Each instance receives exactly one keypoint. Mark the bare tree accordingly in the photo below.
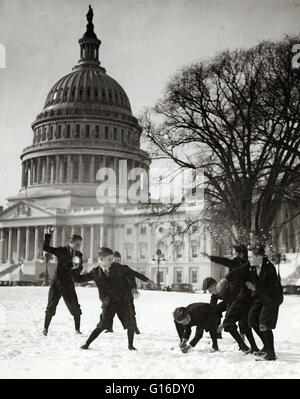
(231, 117)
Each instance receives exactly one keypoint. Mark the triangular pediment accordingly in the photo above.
(23, 210)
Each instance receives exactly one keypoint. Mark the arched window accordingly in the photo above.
(88, 92)
(51, 133)
(106, 133)
(115, 133)
(96, 93)
(103, 94)
(77, 130)
(59, 132)
(179, 249)
(87, 131)
(68, 135)
(97, 134)
(122, 135)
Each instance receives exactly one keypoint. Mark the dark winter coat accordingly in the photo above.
(227, 262)
(267, 285)
(134, 274)
(204, 316)
(114, 288)
(65, 271)
(237, 279)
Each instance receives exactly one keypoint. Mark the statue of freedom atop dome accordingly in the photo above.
(90, 26)
(90, 14)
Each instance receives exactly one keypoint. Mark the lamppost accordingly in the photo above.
(160, 257)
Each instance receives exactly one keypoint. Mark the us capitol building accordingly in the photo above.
(87, 124)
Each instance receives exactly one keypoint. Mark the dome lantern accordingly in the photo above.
(89, 45)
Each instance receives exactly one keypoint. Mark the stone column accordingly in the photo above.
(83, 238)
(61, 166)
(27, 244)
(63, 235)
(72, 230)
(110, 236)
(9, 252)
(70, 172)
(92, 243)
(55, 237)
(92, 169)
(101, 236)
(36, 242)
(43, 170)
(80, 172)
(18, 244)
(1, 245)
(57, 169)
(38, 174)
(31, 172)
(23, 175)
(47, 170)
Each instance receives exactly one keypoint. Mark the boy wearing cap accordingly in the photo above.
(202, 315)
(69, 264)
(115, 285)
(267, 290)
(117, 259)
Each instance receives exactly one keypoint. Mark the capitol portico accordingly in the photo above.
(87, 125)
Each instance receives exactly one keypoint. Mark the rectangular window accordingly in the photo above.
(194, 250)
(160, 276)
(178, 277)
(129, 252)
(143, 252)
(179, 251)
(194, 276)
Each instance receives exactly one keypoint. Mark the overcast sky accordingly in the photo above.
(144, 42)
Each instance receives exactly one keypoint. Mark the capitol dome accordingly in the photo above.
(86, 124)
(88, 86)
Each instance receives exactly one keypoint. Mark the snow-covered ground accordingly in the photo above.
(26, 353)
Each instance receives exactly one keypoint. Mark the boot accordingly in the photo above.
(136, 330)
(77, 323)
(92, 337)
(269, 345)
(130, 335)
(251, 340)
(236, 336)
(47, 322)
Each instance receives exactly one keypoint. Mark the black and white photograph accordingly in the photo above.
(150, 191)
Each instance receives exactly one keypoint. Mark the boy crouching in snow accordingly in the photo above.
(202, 315)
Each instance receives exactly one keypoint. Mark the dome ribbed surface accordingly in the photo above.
(88, 86)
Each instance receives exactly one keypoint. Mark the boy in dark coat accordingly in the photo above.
(210, 285)
(239, 308)
(114, 284)
(69, 264)
(117, 259)
(202, 315)
(240, 257)
(267, 291)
